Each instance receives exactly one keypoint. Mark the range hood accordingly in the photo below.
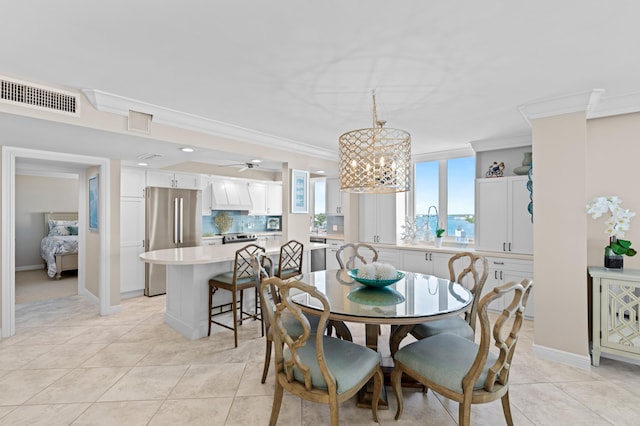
(230, 195)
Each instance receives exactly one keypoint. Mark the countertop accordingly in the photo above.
(200, 255)
(259, 234)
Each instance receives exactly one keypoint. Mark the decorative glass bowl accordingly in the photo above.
(353, 273)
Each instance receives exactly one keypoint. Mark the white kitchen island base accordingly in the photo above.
(188, 272)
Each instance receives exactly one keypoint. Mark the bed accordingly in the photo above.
(59, 247)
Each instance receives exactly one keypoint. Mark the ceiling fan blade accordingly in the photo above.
(242, 169)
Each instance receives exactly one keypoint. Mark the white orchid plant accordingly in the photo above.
(617, 223)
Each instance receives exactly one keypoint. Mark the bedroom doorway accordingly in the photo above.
(45, 192)
(96, 258)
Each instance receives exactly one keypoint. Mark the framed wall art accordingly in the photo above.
(299, 191)
(93, 203)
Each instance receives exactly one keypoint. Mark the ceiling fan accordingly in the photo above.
(244, 167)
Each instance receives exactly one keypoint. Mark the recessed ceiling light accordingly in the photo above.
(256, 161)
(320, 171)
(187, 149)
(143, 164)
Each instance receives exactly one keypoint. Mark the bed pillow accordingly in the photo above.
(65, 223)
(73, 230)
(59, 231)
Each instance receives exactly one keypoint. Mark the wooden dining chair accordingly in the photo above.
(360, 252)
(290, 260)
(313, 366)
(242, 277)
(470, 270)
(462, 370)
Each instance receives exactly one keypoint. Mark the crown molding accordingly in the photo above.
(501, 143)
(617, 105)
(582, 101)
(120, 105)
(442, 155)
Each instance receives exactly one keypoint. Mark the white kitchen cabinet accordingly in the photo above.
(230, 195)
(207, 198)
(168, 179)
(331, 259)
(504, 270)
(333, 197)
(132, 182)
(425, 262)
(266, 198)
(132, 228)
(616, 303)
(380, 215)
(503, 222)
(274, 199)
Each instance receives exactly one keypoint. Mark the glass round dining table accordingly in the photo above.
(415, 298)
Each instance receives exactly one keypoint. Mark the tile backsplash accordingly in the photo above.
(242, 223)
(335, 225)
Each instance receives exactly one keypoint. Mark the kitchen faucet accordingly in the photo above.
(428, 236)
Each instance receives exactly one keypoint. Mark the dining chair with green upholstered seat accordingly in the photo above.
(470, 270)
(462, 370)
(242, 277)
(357, 253)
(313, 366)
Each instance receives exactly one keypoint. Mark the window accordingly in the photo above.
(448, 188)
(319, 206)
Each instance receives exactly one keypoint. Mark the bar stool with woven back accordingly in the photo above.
(290, 261)
(242, 277)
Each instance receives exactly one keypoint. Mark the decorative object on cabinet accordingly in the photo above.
(438, 240)
(273, 223)
(616, 303)
(410, 231)
(615, 227)
(526, 165)
(375, 160)
(299, 191)
(223, 222)
(495, 170)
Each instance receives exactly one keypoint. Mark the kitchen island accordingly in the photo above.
(188, 272)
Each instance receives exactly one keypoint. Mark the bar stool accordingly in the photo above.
(290, 261)
(243, 277)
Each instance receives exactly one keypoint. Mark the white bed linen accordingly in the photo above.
(50, 246)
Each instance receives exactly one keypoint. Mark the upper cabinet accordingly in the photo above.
(167, 179)
(503, 221)
(230, 195)
(333, 197)
(380, 216)
(266, 198)
(132, 182)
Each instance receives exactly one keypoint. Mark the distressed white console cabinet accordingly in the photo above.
(616, 301)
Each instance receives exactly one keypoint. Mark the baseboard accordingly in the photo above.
(92, 297)
(113, 310)
(29, 268)
(131, 294)
(567, 358)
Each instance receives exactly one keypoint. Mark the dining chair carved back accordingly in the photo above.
(290, 260)
(356, 253)
(468, 269)
(242, 277)
(313, 366)
(462, 370)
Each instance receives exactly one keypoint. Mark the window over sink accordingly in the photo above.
(449, 186)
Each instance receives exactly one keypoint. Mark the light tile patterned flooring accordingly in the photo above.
(67, 365)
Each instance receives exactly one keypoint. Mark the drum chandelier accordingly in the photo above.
(375, 160)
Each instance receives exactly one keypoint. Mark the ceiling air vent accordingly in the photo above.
(37, 97)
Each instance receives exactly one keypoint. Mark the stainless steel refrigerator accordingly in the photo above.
(174, 219)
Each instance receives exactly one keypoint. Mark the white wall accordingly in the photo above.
(36, 195)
